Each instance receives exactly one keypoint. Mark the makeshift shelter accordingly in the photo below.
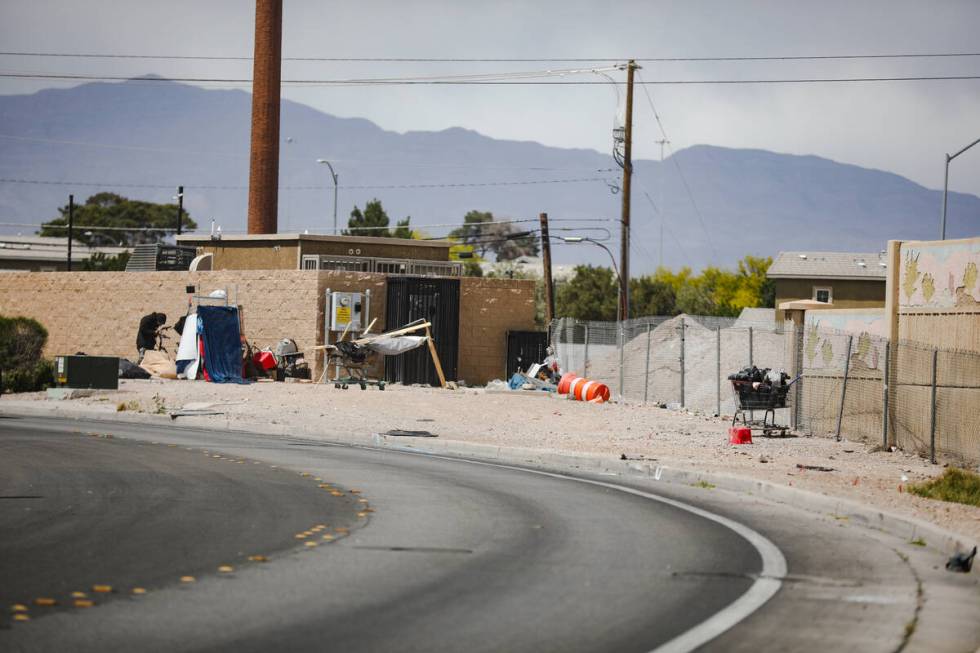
(220, 338)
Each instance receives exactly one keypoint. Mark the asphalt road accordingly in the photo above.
(453, 555)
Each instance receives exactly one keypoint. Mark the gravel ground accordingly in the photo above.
(673, 439)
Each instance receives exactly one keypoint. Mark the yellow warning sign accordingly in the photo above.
(343, 314)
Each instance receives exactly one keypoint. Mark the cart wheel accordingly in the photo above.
(363, 385)
(767, 432)
(336, 385)
(344, 386)
(381, 386)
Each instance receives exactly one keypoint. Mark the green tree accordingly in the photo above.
(99, 262)
(403, 230)
(652, 296)
(589, 295)
(372, 222)
(127, 218)
(481, 232)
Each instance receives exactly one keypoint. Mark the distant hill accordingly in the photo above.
(142, 138)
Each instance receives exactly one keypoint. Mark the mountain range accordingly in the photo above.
(143, 137)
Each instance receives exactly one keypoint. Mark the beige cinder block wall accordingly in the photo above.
(99, 312)
(488, 309)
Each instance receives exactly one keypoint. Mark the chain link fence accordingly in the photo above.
(854, 385)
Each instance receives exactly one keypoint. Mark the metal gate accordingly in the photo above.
(524, 348)
(432, 299)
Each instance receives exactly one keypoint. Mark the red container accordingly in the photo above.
(740, 435)
(264, 360)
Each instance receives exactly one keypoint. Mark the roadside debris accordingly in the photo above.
(961, 561)
(814, 468)
(399, 433)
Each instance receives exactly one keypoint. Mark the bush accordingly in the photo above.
(955, 485)
(21, 342)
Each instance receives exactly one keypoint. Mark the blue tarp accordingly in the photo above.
(218, 328)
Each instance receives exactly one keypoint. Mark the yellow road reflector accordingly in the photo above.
(102, 589)
(362, 500)
(241, 462)
(368, 510)
(362, 514)
(305, 474)
(337, 494)
(327, 537)
(139, 590)
(300, 536)
(215, 456)
(309, 544)
(18, 607)
(318, 479)
(21, 617)
(226, 569)
(342, 529)
(355, 491)
(187, 579)
(79, 595)
(84, 603)
(321, 526)
(45, 601)
(258, 558)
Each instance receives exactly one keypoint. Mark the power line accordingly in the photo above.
(451, 82)
(901, 55)
(525, 182)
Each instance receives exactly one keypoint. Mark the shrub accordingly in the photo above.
(21, 342)
(955, 485)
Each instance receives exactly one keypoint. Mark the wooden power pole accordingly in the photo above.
(624, 252)
(549, 290)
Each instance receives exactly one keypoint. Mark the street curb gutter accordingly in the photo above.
(902, 527)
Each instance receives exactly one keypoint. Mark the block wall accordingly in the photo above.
(488, 309)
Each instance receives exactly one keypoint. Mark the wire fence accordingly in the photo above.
(853, 385)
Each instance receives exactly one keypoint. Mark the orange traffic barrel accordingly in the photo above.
(582, 389)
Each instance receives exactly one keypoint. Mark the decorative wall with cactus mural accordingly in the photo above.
(826, 334)
(940, 274)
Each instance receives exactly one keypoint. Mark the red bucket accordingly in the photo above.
(740, 435)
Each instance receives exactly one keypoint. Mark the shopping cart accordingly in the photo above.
(750, 397)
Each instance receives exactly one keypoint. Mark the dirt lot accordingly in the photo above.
(673, 439)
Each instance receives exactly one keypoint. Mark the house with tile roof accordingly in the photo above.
(839, 279)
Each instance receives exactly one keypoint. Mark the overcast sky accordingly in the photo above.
(903, 127)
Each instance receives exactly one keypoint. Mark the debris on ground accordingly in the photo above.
(961, 562)
(814, 468)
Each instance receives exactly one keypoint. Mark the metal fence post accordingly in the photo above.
(682, 362)
(585, 356)
(646, 368)
(622, 339)
(718, 371)
(843, 389)
(884, 399)
(932, 420)
(751, 358)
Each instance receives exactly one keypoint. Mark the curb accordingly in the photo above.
(902, 527)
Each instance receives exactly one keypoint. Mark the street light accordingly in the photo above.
(619, 286)
(333, 175)
(946, 183)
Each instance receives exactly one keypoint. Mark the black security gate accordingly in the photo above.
(432, 299)
(524, 348)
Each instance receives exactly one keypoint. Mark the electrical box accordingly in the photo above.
(97, 372)
(346, 310)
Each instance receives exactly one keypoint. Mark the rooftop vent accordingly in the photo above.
(803, 256)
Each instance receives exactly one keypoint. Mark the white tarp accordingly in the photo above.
(187, 349)
(394, 345)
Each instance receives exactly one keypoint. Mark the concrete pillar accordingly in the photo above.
(263, 183)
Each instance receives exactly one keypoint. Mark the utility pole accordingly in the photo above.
(624, 252)
(180, 207)
(71, 226)
(663, 208)
(549, 291)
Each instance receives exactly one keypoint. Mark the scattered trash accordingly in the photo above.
(814, 468)
(410, 434)
(763, 459)
(961, 561)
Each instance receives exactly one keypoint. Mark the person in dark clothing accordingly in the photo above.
(146, 337)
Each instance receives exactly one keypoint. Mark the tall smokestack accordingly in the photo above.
(263, 183)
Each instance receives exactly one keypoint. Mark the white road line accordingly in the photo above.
(763, 589)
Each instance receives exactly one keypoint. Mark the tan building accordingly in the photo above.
(840, 279)
(317, 252)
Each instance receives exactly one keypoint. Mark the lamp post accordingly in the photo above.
(619, 285)
(946, 184)
(333, 175)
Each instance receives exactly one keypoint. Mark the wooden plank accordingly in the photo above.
(435, 357)
(396, 332)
